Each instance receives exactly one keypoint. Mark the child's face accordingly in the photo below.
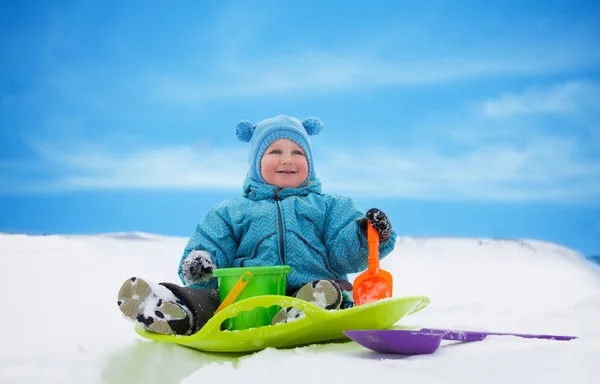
(284, 164)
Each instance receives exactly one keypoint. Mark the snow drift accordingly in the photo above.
(61, 323)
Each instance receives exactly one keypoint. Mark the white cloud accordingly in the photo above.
(567, 98)
(243, 67)
(81, 166)
(310, 71)
(544, 170)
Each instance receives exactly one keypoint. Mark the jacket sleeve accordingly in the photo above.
(347, 246)
(214, 235)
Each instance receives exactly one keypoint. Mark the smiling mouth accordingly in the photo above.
(286, 172)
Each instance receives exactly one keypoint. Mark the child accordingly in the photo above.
(282, 218)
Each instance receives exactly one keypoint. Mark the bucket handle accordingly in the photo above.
(236, 290)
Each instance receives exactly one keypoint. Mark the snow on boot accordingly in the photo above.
(324, 294)
(154, 307)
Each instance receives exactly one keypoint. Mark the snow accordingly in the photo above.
(61, 323)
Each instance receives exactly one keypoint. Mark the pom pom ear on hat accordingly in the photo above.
(244, 130)
(312, 125)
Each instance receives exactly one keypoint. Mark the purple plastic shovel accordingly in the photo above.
(426, 340)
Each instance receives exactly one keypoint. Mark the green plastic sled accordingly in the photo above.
(317, 326)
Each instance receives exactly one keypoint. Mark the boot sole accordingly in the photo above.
(332, 296)
(132, 298)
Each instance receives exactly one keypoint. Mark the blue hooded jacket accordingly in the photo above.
(316, 234)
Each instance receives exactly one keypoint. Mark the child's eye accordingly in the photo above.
(298, 153)
(275, 152)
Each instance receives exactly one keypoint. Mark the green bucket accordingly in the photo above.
(265, 281)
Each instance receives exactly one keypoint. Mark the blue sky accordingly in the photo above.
(457, 119)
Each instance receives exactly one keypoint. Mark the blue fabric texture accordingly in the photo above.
(261, 135)
(316, 234)
(320, 233)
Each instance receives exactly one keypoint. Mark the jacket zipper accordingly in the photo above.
(280, 221)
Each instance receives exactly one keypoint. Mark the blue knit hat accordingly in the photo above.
(261, 135)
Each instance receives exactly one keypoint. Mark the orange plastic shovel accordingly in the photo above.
(235, 291)
(374, 283)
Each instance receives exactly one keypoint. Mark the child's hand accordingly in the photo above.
(197, 267)
(380, 223)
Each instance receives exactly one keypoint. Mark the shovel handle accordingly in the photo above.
(460, 335)
(373, 241)
(235, 291)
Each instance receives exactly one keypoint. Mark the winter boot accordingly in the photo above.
(202, 302)
(325, 294)
(154, 307)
